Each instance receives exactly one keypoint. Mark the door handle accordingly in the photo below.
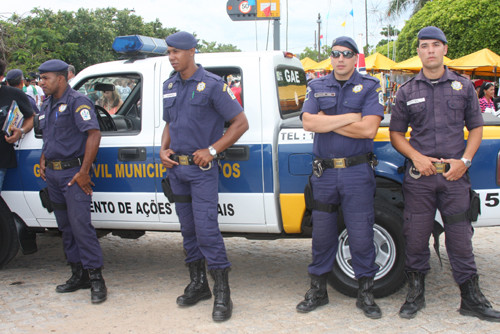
(132, 154)
(237, 153)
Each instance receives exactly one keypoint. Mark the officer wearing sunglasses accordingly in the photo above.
(344, 109)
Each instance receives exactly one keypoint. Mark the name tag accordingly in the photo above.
(409, 103)
(169, 95)
(325, 94)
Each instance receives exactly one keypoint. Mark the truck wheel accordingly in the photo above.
(9, 244)
(390, 255)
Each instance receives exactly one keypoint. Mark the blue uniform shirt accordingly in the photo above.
(196, 109)
(437, 113)
(65, 123)
(360, 94)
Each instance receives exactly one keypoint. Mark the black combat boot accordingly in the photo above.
(474, 303)
(98, 291)
(79, 279)
(315, 296)
(198, 288)
(365, 300)
(223, 306)
(415, 299)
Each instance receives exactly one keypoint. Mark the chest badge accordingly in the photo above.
(201, 87)
(456, 85)
(170, 85)
(62, 107)
(357, 88)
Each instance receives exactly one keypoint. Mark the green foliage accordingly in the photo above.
(81, 38)
(396, 7)
(204, 46)
(382, 49)
(469, 26)
(313, 53)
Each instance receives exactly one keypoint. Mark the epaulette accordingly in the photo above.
(213, 76)
(404, 83)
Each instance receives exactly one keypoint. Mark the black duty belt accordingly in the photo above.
(321, 164)
(186, 160)
(63, 164)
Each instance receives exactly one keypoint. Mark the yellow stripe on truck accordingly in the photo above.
(489, 132)
(292, 210)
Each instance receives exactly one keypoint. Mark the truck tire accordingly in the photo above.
(390, 254)
(9, 244)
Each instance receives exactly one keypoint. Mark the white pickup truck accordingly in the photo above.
(263, 174)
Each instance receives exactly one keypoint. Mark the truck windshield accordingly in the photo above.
(292, 84)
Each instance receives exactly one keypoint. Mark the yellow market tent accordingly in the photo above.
(308, 63)
(413, 64)
(482, 62)
(378, 62)
(324, 65)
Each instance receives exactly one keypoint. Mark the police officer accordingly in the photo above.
(344, 109)
(437, 103)
(71, 140)
(196, 103)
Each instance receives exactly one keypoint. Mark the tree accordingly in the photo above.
(207, 47)
(313, 53)
(396, 7)
(81, 38)
(382, 49)
(469, 26)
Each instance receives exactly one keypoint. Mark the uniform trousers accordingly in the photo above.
(199, 225)
(79, 236)
(422, 197)
(353, 188)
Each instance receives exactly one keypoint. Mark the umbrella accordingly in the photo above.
(308, 63)
(378, 61)
(482, 62)
(414, 64)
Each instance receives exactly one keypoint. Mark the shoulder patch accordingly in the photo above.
(85, 113)
(83, 106)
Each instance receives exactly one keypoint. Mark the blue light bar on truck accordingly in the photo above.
(135, 44)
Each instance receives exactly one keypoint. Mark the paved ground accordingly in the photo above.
(268, 279)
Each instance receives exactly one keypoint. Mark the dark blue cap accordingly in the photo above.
(348, 42)
(431, 32)
(181, 40)
(13, 74)
(53, 65)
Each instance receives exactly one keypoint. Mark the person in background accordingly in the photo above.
(15, 78)
(486, 95)
(110, 101)
(71, 73)
(7, 95)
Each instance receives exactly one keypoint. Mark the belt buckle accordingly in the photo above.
(339, 163)
(184, 160)
(56, 165)
(440, 167)
(317, 168)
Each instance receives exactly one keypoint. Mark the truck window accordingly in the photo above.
(292, 84)
(117, 100)
(232, 76)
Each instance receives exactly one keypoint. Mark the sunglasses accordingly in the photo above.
(347, 54)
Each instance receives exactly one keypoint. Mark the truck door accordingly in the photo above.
(241, 179)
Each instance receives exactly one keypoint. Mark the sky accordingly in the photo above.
(209, 20)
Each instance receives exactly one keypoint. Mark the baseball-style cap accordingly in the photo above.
(181, 40)
(432, 32)
(53, 65)
(13, 74)
(348, 42)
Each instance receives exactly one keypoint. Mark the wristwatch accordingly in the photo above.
(467, 162)
(213, 151)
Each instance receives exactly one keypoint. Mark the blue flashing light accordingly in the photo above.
(135, 44)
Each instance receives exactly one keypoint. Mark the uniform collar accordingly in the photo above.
(355, 79)
(445, 77)
(197, 76)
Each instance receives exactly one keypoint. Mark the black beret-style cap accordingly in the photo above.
(13, 74)
(53, 65)
(181, 40)
(348, 42)
(432, 32)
